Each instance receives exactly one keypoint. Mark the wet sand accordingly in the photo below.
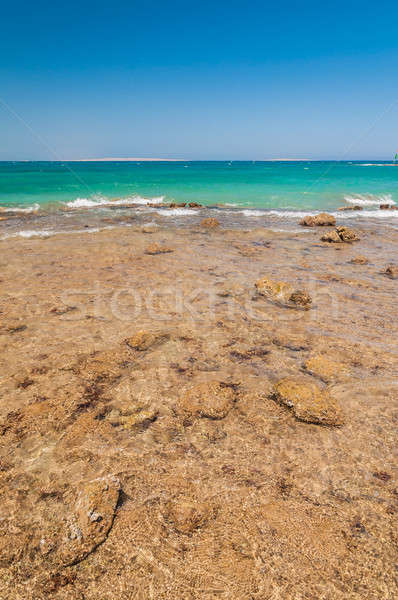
(147, 448)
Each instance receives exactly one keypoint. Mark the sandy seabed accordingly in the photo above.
(168, 432)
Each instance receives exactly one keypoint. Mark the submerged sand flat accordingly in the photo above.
(170, 431)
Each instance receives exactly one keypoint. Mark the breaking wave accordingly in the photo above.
(98, 202)
(369, 199)
(28, 209)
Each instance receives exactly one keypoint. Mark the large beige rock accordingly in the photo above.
(321, 220)
(308, 402)
(212, 399)
(91, 520)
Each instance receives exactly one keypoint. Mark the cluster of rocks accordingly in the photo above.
(388, 207)
(340, 234)
(321, 220)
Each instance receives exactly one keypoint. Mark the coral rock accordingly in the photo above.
(213, 400)
(158, 249)
(359, 260)
(143, 340)
(282, 292)
(340, 234)
(347, 235)
(321, 220)
(392, 271)
(332, 237)
(301, 298)
(308, 402)
(92, 519)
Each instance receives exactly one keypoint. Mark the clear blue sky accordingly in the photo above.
(201, 80)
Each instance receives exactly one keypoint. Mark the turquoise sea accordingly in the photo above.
(260, 185)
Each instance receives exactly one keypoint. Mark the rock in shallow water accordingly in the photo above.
(392, 271)
(143, 340)
(340, 234)
(213, 400)
(283, 293)
(158, 249)
(359, 260)
(321, 220)
(308, 402)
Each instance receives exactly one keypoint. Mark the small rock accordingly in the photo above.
(141, 419)
(384, 206)
(301, 298)
(149, 228)
(212, 399)
(210, 223)
(392, 271)
(194, 205)
(359, 260)
(16, 328)
(355, 207)
(321, 220)
(143, 340)
(283, 293)
(158, 249)
(308, 402)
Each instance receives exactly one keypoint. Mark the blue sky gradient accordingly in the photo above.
(224, 80)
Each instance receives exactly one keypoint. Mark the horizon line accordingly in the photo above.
(133, 159)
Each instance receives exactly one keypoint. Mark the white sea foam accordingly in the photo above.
(252, 213)
(367, 214)
(369, 199)
(98, 202)
(176, 212)
(47, 233)
(28, 209)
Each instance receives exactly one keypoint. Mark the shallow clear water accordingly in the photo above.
(262, 185)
